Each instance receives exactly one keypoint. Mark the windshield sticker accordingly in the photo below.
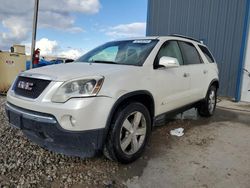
(142, 41)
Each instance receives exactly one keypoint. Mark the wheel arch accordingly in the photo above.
(214, 82)
(142, 96)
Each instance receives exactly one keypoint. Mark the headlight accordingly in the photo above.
(78, 88)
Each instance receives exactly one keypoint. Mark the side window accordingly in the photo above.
(109, 54)
(207, 54)
(171, 49)
(190, 54)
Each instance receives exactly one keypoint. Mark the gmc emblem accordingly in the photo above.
(25, 85)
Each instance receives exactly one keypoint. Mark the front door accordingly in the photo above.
(172, 84)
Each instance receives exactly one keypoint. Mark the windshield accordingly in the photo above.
(129, 52)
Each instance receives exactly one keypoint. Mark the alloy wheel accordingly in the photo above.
(133, 133)
(211, 101)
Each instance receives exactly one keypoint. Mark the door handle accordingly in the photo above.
(186, 75)
(205, 71)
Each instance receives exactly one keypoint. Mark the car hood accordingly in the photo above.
(64, 72)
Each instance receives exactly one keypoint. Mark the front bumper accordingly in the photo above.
(45, 130)
(77, 114)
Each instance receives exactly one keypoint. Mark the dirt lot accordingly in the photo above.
(212, 153)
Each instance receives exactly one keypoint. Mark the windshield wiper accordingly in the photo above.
(103, 61)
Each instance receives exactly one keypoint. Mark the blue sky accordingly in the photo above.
(79, 26)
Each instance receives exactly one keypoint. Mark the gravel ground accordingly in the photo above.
(214, 152)
(24, 164)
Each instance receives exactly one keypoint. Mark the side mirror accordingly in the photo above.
(169, 62)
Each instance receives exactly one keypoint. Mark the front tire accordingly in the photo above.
(207, 107)
(129, 133)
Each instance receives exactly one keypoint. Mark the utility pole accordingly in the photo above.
(34, 31)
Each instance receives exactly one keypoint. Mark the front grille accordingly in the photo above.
(30, 87)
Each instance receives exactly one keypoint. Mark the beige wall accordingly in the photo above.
(11, 64)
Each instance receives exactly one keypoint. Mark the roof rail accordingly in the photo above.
(185, 37)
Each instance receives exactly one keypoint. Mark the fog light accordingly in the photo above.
(72, 121)
(68, 121)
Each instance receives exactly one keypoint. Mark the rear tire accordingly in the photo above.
(207, 107)
(128, 134)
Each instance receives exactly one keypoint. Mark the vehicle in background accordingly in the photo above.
(59, 61)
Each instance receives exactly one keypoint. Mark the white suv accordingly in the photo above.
(109, 99)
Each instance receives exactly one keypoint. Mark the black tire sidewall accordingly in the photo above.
(122, 115)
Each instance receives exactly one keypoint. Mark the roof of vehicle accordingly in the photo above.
(173, 36)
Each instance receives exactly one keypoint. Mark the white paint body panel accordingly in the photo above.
(168, 86)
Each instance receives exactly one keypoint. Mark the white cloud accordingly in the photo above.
(72, 53)
(52, 48)
(67, 6)
(56, 20)
(47, 47)
(127, 30)
(75, 30)
(16, 17)
(17, 30)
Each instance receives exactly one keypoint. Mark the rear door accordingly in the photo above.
(210, 70)
(196, 69)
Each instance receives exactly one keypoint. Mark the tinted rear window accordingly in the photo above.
(207, 54)
(190, 54)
